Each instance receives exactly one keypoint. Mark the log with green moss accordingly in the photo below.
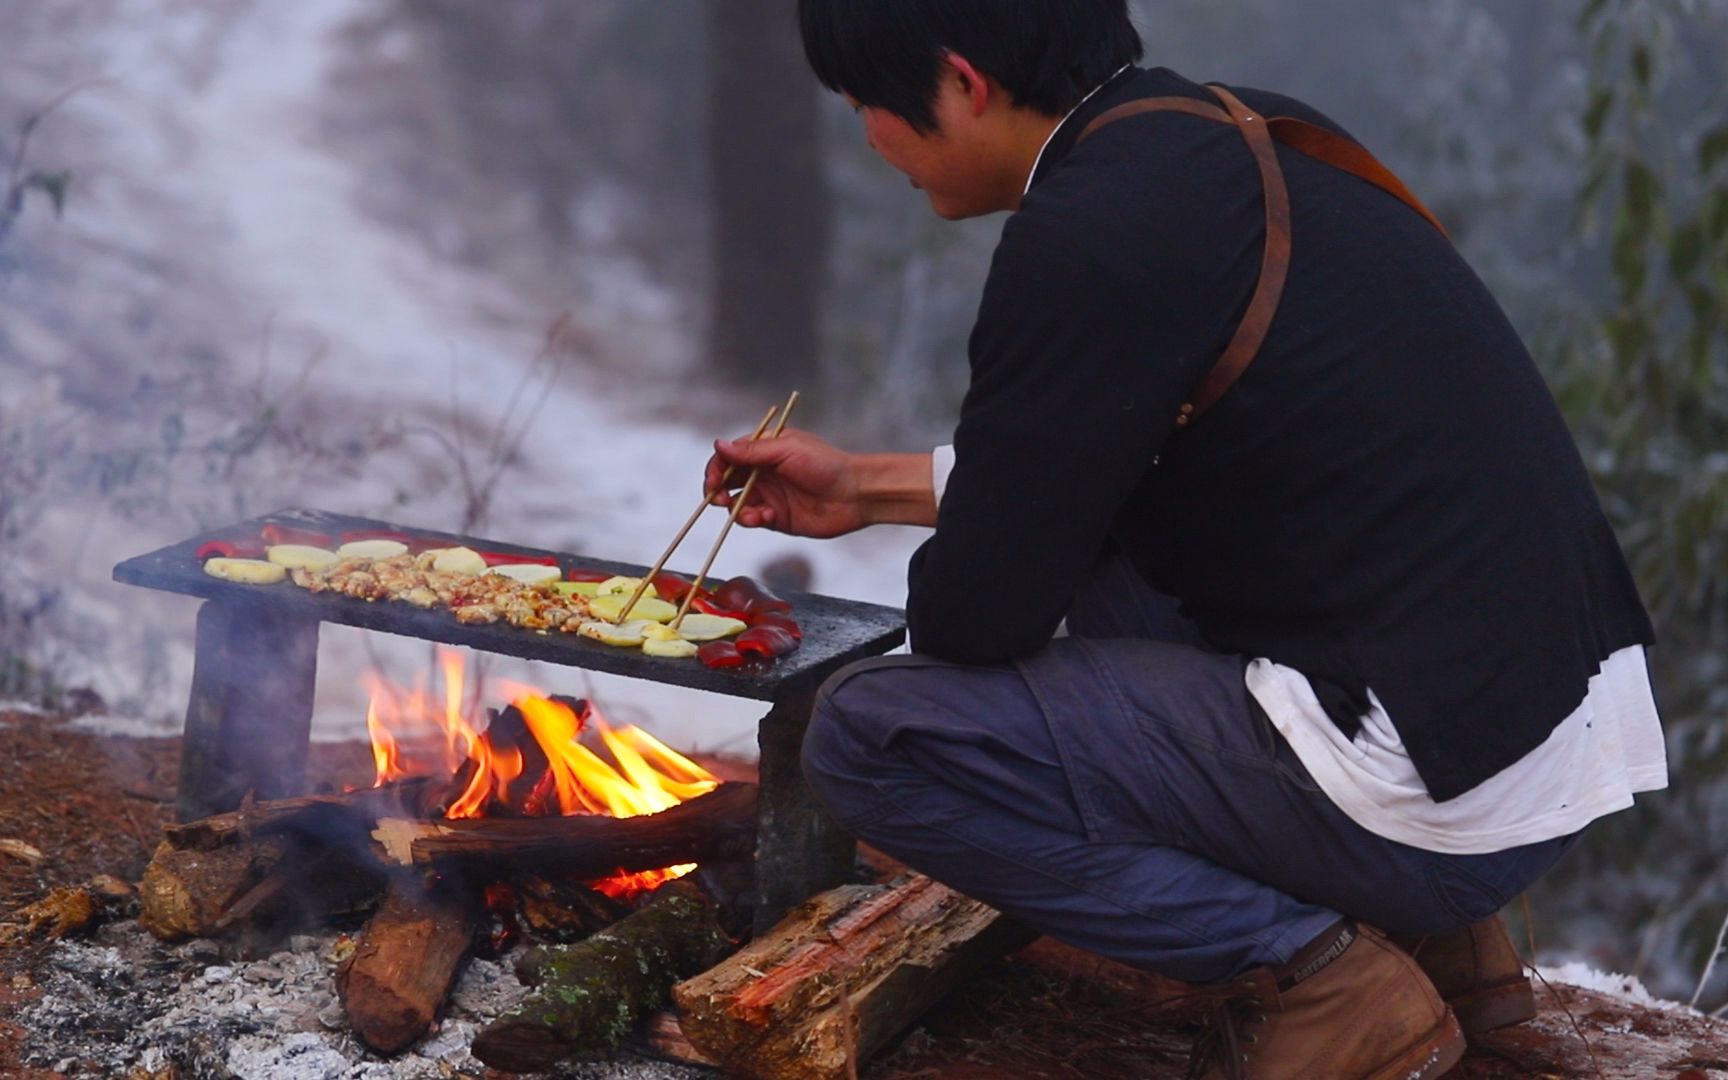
(588, 996)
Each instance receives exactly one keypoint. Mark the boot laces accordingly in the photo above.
(1227, 1037)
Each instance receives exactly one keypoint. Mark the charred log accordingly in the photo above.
(508, 733)
(561, 910)
(838, 977)
(347, 816)
(253, 892)
(590, 995)
(186, 893)
(311, 886)
(408, 958)
(716, 826)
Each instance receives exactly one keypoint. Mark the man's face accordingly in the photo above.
(951, 169)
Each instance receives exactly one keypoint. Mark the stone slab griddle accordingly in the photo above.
(836, 631)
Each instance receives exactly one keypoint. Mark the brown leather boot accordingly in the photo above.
(1349, 1006)
(1478, 972)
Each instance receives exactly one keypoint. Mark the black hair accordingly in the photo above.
(1048, 54)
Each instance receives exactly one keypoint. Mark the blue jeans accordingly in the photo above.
(1122, 791)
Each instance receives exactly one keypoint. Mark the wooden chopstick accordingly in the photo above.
(731, 519)
(707, 501)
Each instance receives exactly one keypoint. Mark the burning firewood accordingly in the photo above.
(718, 825)
(408, 958)
(590, 995)
(839, 976)
(561, 910)
(342, 814)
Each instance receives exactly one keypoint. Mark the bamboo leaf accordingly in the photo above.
(1714, 148)
(1643, 190)
(1687, 249)
(1596, 116)
(1716, 215)
(1642, 66)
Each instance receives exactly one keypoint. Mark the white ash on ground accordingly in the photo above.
(124, 1004)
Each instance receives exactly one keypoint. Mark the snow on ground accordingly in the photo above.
(399, 328)
(1627, 988)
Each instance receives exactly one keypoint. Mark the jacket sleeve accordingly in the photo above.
(1078, 370)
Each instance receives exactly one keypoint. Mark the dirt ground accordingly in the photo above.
(94, 806)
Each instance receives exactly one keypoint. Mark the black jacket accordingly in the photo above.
(1389, 497)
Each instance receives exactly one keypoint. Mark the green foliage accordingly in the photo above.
(1644, 374)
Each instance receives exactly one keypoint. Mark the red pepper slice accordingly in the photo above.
(274, 534)
(230, 549)
(579, 574)
(502, 558)
(775, 619)
(720, 655)
(709, 607)
(672, 587)
(748, 594)
(765, 641)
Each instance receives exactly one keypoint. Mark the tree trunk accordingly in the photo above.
(770, 197)
(589, 995)
(838, 977)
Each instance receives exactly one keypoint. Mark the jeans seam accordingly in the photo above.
(1198, 933)
(1161, 788)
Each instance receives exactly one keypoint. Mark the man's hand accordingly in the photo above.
(808, 487)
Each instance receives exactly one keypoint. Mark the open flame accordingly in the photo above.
(418, 732)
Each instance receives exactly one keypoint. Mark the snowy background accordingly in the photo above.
(215, 233)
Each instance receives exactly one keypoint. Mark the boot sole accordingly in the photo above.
(1434, 1056)
(1481, 1011)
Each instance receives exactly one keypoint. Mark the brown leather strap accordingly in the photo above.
(1193, 106)
(1349, 155)
(1318, 143)
(1274, 264)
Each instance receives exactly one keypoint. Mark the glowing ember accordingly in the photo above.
(643, 776)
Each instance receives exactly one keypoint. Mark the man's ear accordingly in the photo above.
(975, 83)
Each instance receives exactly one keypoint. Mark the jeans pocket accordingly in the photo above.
(1282, 755)
(1118, 788)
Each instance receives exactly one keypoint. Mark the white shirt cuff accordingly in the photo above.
(941, 464)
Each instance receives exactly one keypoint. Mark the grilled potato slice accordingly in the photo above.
(627, 634)
(301, 556)
(245, 571)
(372, 549)
(625, 586)
(699, 627)
(608, 606)
(675, 648)
(459, 560)
(527, 573)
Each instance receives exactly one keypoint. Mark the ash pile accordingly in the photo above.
(122, 1004)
